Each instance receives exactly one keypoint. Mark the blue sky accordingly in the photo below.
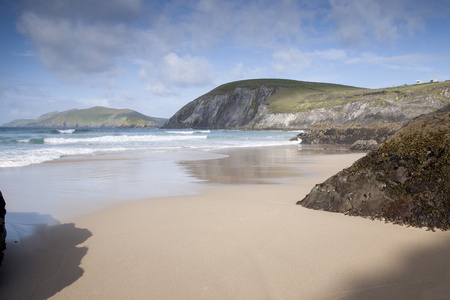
(156, 56)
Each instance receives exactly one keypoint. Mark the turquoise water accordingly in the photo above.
(49, 176)
(24, 147)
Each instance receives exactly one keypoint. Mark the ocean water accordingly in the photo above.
(49, 176)
(24, 147)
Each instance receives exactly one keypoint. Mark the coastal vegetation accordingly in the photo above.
(260, 104)
(285, 83)
(298, 96)
(272, 104)
(92, 117)
(309, 96)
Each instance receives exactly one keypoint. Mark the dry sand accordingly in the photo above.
(242, 242)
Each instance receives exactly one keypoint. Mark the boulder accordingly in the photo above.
(406, 180)
(2, 226)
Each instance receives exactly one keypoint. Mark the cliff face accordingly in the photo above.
(230, 110)
(406, 180)
(273, 105)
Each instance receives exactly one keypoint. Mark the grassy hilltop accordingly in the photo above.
(299, 96)
(294, 95)
(92, 117)
(258, 104)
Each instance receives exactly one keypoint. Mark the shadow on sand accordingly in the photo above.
(425, 275)
(41, 257)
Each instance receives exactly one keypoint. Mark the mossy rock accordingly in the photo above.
(406, 180)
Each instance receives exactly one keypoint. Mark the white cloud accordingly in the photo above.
(153, 83)
(241, 71)
(413, 62)
(294, 60)
(177, 45)
(330, 54)
(186, 71)
(248, 23)
(70, 48)
(87, 10)
(27, 53)
(290, 59)
(22, 90)
(17, 113)
(175, 72)
(90, 102)
(358, 22)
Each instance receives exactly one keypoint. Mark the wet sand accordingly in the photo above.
(235, 242)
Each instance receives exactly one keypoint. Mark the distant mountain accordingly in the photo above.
(92, 117)
(288, 104)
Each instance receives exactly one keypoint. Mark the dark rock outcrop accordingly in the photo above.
(2, 226)
(406, 180)
(364, 145)
(348, 134)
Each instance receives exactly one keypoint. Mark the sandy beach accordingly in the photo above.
(230, 242)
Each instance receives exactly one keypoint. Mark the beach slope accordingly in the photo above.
(253, 242)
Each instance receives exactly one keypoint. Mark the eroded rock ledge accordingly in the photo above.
(349, 134)
(405, 181)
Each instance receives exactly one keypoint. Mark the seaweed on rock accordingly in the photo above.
(405, 181)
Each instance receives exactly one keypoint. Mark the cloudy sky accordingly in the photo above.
(156, 56)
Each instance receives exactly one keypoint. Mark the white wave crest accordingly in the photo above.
(181, 132)
(29, 157)
(66, 131)
(120, 139)
(188, 131)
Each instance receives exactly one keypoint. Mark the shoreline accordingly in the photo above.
(239, 242)
(78, 185)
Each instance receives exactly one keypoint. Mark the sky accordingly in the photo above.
(156, 56)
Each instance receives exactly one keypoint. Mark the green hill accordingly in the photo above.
(293, 95)
(92, 117)
(289, 104)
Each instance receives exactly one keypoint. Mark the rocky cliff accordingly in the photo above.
(287, 104)
(92, 117)
(2, 227)
(406, 180)
(223, 108)
(347, 134)
(239, 105)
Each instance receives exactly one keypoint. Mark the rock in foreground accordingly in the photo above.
(2, 226)
(405, 181)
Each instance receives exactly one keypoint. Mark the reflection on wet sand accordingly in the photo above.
(42, 256)
(258, 165)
